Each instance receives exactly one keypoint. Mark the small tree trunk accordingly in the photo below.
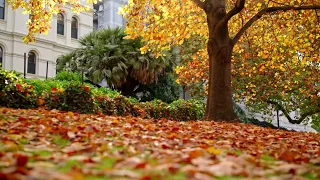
(219, 102)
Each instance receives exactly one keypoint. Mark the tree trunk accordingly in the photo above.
(219, 102)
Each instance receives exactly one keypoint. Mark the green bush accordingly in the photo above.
(45, 86)
(15, 93)
(123, 105)
(185, 110)
(155, 109)
(118, 105)
(68, 76)
(179, 110)
(56, 99)
(315, 123)
(61, 95)
(103, 91)
(106, 105)
(166, 89)
(75, 97)
(79, 99)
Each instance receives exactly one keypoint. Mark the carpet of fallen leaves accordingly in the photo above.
(42, 144)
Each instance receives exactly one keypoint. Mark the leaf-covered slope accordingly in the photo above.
(64, 145)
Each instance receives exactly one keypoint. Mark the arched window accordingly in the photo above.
(74, 28)
(1, 57)
(2, 8)
(32, 63)
(60, 24)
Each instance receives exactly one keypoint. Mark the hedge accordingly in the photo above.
(72, 96)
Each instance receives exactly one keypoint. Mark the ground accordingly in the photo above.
(42, 144)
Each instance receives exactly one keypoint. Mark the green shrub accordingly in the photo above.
(79, 99)
(45, 86)
(123, 105)
(166, 89)
(14, 92)
(68, 76)
(155, 109)
(106, 105)
(315, 123)
(56, 99)
(38, 86)
(179, 110)
(185, 110)
(103, 91)
(8, 77)
(118, 105)
(75, 97)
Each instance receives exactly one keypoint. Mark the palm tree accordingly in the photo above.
(67, 62)
(106, 55)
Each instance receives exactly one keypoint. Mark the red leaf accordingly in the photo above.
(287, 156)
(22, 160)
(22, 119)
(53, 90)
(141, 165)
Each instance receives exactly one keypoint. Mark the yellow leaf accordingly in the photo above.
(213, 150)
(71, 114)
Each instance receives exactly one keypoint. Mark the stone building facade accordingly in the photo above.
(66, 29)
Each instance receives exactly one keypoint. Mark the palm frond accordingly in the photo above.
(106, 55)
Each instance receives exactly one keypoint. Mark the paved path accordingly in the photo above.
(283, 121)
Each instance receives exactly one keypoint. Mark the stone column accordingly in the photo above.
(107, 13)
(110, 17)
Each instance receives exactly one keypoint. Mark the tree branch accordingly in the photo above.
(237, 8)
(286, 114)
(269, 10)
(199, 3)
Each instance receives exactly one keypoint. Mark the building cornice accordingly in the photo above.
(39, 40)
(121, 1)
(85, 25)
(22, 56)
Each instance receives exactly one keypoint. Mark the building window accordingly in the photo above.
(74, 28)
(60, 24)
(31, 63)
(2, 8)
(1, 57)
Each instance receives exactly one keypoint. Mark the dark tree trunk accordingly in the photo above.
(127, 89)
(219, 102)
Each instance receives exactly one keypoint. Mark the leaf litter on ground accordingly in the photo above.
(43, 144)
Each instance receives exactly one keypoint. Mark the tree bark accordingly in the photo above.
(220, 45)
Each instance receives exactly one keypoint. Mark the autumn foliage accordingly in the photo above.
(275, 47)
(38, 144)
(275, 44)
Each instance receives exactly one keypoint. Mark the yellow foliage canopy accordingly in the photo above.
(274, 53)
(276, 37)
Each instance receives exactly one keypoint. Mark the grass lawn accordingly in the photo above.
(42, 144)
